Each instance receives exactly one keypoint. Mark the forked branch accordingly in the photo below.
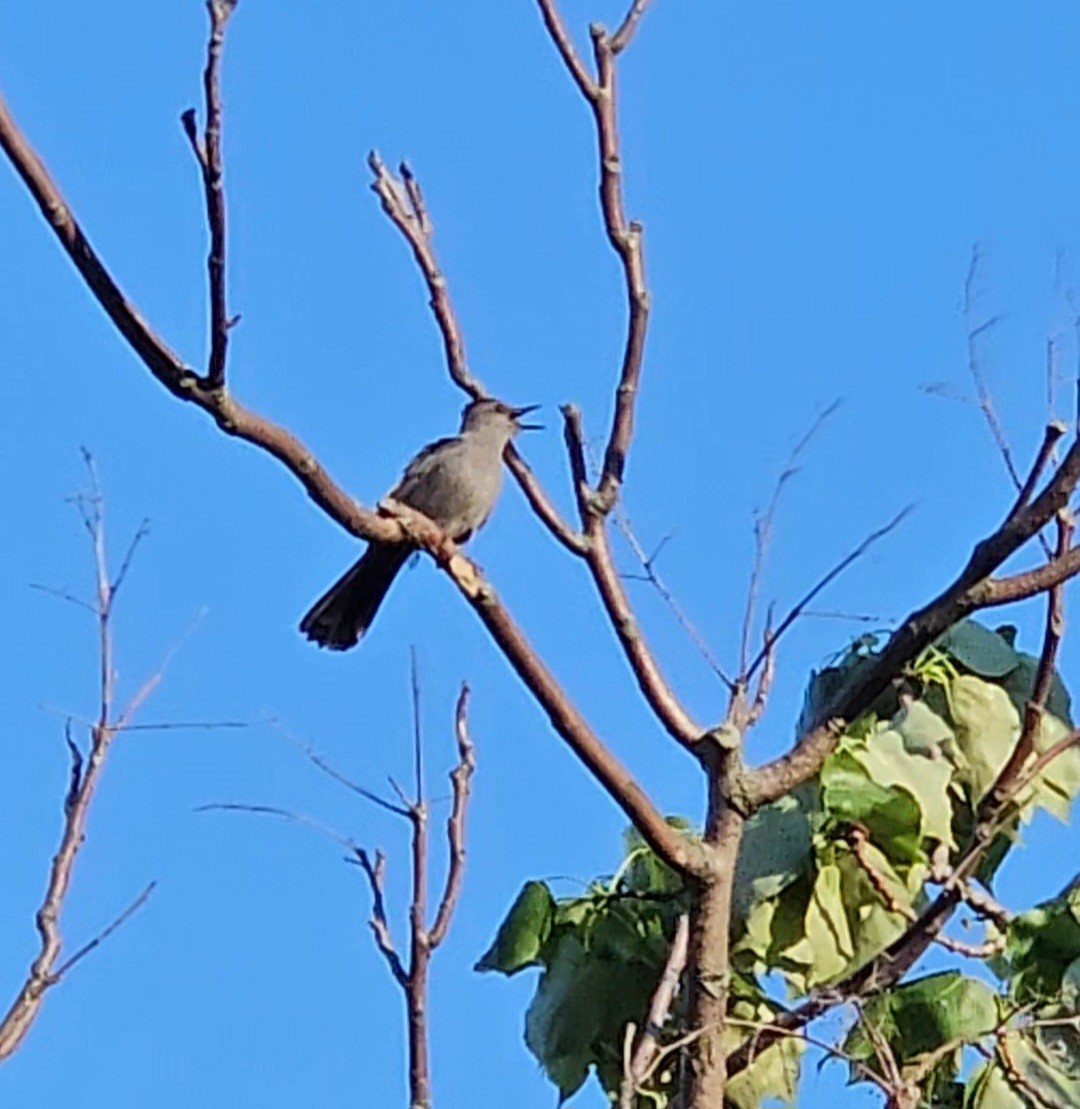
(46, 970)
(207, 151)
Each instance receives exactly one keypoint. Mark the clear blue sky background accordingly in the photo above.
(812, 179)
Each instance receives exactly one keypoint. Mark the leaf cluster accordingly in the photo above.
(827, 877)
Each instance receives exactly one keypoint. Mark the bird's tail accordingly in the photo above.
(344, 612)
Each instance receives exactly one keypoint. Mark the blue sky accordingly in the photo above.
(811, 178)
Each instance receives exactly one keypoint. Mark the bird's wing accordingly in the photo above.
(420, 468)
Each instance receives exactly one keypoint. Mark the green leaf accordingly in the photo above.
(987, 728)
(828, 938)
(890, 813)
(923, 732)
(523, 934)
(887, 760)
(579, 1013)
(825, 685)
(1020, 684)
(776, 851)
(1041, 946)
(563, 1018)
(920, 1016)
(645, 871)
(1036, 1074)
(978, 649)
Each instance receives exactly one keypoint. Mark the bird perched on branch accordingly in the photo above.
(455, 482)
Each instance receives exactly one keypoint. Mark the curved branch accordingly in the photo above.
(403, 202)
(598, 556)
(625, 236)
(207, 151)
(678, 850)
(167, 366)
(973, 589)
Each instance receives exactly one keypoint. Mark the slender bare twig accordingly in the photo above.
(83, 777)
(413, 978)
(796, 611)
(331, 771)
(763, 532)
(418, 736)
(625, 236)
(207, 151)
(563, 43)
(289, 815)
(106, 932)
(985, 399)
(1052, 433)
(460, 780)
(652, 576)
(646, 669)
(982, 391)
(637, 1066)
(1044, 677)
(625, 31)
(380, 926)
(403, 202)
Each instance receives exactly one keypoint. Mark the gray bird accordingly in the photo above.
(453, 481)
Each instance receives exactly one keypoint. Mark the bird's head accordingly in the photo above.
(496, 417)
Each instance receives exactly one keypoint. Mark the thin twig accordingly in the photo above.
(380, 927)
(835, 572)
(83, 778)
(659, 1008)
(105, 933)
(402, 200)
(207, 151)
(418, 737)
(625, 31)
(460, 781)
(651, 680)
(331, 771)
(986, 403)
(571, 59)
(763, 533)
(1044, 677)
(285, 814)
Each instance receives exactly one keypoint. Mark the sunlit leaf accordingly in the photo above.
(523, 934)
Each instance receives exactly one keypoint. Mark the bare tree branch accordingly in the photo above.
(974, 588)
(403, 202)
(625, 236)
(105, 933)
(648, 1045)
(625, 31)
(207, 151)
(678, 850)
(763, 532)
(772, 638)
(413, 979)
(375, 869)
(561, 37)
(651, 680)
(83, 779)
(167, 366)
(460, 780)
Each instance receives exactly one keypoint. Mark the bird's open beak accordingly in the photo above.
(519, 412)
